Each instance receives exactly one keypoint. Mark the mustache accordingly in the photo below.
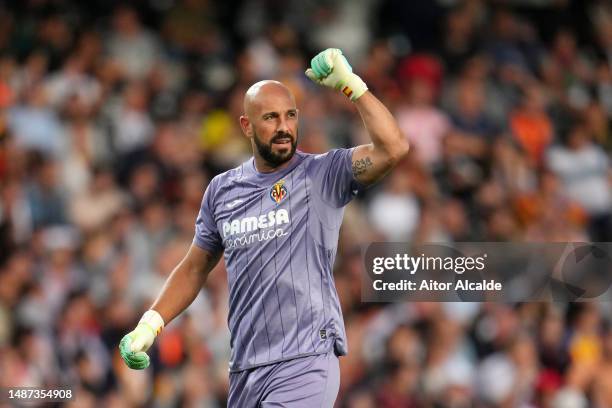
(281, 135)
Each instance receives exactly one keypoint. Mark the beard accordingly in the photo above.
(271, 157)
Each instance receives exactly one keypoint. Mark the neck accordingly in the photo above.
(263, 166)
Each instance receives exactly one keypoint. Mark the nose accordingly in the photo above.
(283, 125)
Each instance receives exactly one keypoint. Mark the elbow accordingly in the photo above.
(404, 146)
(399, 149)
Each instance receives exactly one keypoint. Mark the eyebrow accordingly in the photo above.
(275, 113)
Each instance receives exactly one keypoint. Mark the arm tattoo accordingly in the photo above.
(360, 166)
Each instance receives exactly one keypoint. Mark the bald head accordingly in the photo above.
(261, 92)
(270, 120)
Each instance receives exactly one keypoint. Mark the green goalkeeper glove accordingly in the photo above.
(133, 346)
(330, 68)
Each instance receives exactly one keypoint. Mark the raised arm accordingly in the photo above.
(371, 161)
(178, 293)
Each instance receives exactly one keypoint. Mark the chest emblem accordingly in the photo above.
(278, 192)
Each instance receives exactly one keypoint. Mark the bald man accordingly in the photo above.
(276, 220)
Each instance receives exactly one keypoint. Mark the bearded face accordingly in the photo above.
(278, 150)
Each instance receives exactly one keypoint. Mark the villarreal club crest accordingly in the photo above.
(278, 192)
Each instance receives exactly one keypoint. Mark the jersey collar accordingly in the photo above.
(272, 176)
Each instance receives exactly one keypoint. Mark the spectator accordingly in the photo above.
(420, 120)
(133, 128)
(531, 126)
(583, 168)
(36, 126)
(96, 207)
(395, 211)
(46, 201)
(131, 46)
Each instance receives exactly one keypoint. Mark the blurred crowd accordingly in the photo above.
(114, 116)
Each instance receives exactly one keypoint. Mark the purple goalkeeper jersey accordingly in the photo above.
(279, 234)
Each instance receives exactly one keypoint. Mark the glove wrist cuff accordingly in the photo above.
(354, 87)
(153, 320)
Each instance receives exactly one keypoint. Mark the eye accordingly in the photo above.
(292, 114)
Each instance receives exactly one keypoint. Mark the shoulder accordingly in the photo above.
(331, 156)
(229, 176)
(333, 163)
(224, 181)
(304, 157)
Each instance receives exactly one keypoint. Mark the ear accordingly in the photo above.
(245, 125)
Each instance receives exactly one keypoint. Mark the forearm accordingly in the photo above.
(178, 292)
(382, 127)
(372, 161)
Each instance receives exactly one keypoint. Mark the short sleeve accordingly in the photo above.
(207, 235)
(332, 175)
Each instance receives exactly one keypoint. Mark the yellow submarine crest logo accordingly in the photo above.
(278, 192)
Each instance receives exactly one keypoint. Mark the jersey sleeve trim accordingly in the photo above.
(200, 243)
(358, 185)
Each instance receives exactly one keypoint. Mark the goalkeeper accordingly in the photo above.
(276, 219)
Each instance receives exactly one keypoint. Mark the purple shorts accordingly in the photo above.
(309, 382)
